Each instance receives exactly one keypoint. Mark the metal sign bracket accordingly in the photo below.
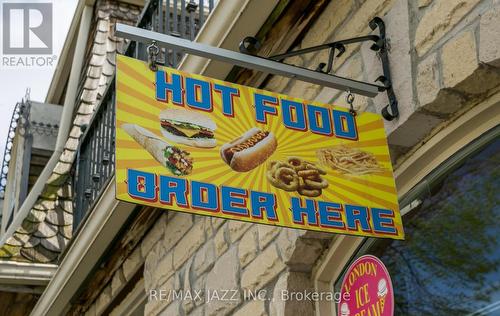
(273, 65)
(250, 45)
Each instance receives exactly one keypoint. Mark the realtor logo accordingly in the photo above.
(27, 28)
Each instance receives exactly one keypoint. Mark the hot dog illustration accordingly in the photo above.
(249, 150)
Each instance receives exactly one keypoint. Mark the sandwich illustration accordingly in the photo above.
(171, 157)
(249, 150)
(188, 127)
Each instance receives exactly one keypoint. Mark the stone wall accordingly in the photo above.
(193, 253)
(445, 57)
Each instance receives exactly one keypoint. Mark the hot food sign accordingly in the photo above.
(189, 143)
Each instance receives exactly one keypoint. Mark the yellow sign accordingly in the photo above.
(194, 144)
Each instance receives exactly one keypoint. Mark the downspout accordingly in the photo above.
(65, 126)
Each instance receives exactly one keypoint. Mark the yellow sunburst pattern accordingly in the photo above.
(136, 103)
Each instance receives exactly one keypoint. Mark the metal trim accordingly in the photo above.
(247, 61)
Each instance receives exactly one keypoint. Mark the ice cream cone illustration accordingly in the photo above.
(382, 303)
(382, 288)
(344, 309)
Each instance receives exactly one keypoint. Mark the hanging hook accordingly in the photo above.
(349, 98)
(153, 51)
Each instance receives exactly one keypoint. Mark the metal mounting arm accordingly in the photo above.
(249, 45)
(247, 61)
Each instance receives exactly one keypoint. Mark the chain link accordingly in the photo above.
(153, 51)
(349, 98)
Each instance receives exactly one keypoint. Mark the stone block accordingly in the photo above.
(103, 300)
(439, 20)
(217, 222)
(326, 95)
(204, 258)
(177, 226)
(397, 152)
(200, 285)
(152, 307)
(265, 267)
(117, 282)
(286, 242)
(209, 231)
(91, 311)
(247, 247)
(400, 64)
(132, 264)
(153, 236)
(220, 242)
(459, 59)
(237, 229)
(424, 3)
(413, 130)
(326, 24)
(304, 90)
(299, 254)
(173, 309)
(398, 31)
(428, 80)
(277, 83)
(164, 292)
(191, 241)
(489, 32)
(150, 265)
(188, 305)
(224, 276)
(266, 234)
(200, 311)
(291, 282)
(357, 25)
(252, 308)
(165, 269)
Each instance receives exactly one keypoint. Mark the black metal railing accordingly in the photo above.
(179, 18)
(19, 124)
(96, 156)
(94, 166)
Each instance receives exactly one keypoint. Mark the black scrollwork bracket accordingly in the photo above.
(250, 45)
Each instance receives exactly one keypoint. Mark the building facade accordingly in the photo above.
(118, 258)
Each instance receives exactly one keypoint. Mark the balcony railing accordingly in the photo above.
(96, 157)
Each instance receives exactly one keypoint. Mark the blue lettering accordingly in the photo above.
(319, 120)
(163, 87)
(227, 95)
(382, 221)
(298, 211)
(234, 201)
(357, 216)
(330, 215)
(261, 107)
(263, 202)
(204, 196)
(198, 94)
(344, 124)
(173, 188)
(142, 185)
(290, 107)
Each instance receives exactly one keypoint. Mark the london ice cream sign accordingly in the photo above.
(366, 289)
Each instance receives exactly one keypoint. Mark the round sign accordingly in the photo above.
(370, 289)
